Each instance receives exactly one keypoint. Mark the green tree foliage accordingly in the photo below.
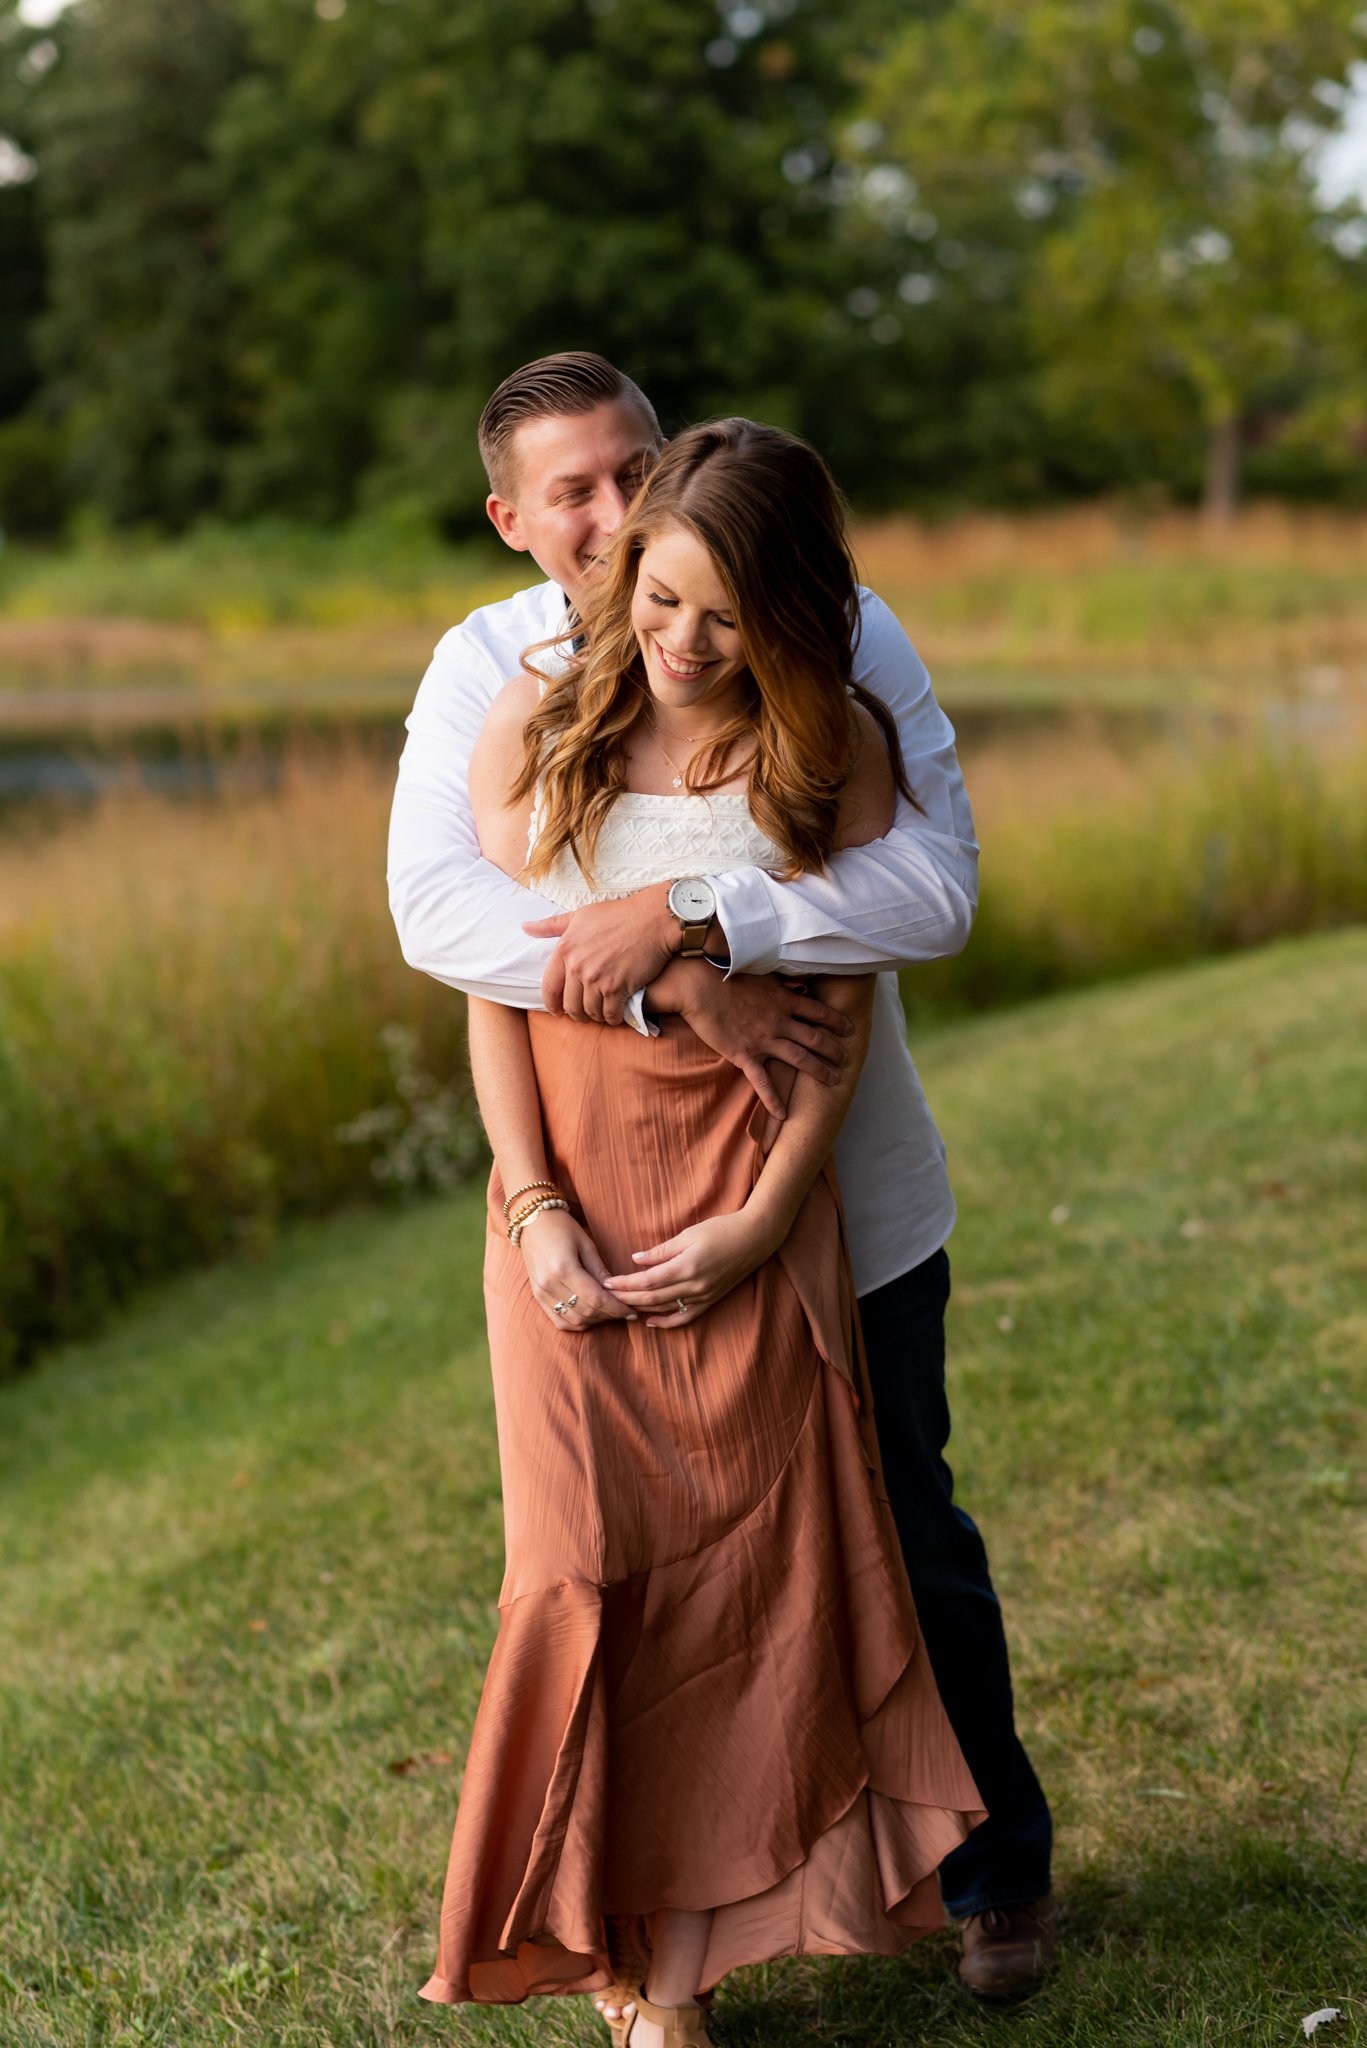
(500, 180)
(137, 338)
(322, 208)
(1139, 175)
(277, 252)
(26, 54)
(32, 496)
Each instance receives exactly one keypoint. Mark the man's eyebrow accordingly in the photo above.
(583, 477)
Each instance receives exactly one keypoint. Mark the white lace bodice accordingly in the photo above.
(649, 839)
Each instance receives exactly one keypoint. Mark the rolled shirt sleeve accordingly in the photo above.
(909, 896)
(459, 918)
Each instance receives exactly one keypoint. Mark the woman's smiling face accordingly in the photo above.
(685, 626)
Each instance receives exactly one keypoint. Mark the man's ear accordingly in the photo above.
(507, 522)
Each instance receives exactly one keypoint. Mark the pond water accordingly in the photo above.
(69, 747)
(75, 765)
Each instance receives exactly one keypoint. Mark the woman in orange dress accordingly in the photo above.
(709, 1734)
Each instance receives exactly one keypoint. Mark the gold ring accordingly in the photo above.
(681, 1303)
(564, 1307)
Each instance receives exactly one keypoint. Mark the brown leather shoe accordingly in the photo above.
(1008, 1950)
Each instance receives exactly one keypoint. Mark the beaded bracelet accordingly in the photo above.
(529, 1203)
(527, 1189)
(551, 1202)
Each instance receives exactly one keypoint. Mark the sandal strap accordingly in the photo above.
(683, 2026)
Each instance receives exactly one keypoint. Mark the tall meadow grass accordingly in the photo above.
(206, 1023)
(1277, 599)
(193, 1001)
(1094, 601)
(1097, 863)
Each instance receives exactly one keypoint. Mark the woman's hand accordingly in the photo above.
(697, 1268)
(562, 1260)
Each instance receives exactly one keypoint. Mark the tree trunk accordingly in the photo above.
(1224, 467)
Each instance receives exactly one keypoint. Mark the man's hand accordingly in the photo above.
(752, 1018)
(606, 952)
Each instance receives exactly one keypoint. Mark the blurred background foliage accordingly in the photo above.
(267, 257)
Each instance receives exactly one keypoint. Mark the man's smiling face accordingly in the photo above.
(575, 474)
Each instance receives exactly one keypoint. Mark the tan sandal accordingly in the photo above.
(628, 1951)
(629, 1954)
(683, 2026)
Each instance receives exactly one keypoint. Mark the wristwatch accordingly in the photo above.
(691, 900)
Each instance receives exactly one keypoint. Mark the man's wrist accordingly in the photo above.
(716, 947)
(668, 994)
(667, 925)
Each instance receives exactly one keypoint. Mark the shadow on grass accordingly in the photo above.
(1233, 1937)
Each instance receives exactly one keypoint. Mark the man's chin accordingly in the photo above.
(588, 577)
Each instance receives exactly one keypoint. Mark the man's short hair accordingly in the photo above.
(553, 387)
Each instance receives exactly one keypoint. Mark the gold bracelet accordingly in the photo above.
(532, 1202)
(527, 1189)
(551, 1202)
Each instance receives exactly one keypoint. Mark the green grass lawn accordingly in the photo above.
(250, 1549)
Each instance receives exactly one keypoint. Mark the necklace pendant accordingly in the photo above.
(678, 782)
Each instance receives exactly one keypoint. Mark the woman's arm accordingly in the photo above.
(560, 1256)
(706, 1260)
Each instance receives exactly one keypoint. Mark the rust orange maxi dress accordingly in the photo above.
(708, 1688)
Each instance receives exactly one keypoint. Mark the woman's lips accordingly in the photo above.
(689, 674)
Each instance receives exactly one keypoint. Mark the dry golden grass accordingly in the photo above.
(195, 996)
(193, 999)
(1095, 597)
(1091, 604)
(1098, 535)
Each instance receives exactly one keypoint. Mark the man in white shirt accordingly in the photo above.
(566, 442)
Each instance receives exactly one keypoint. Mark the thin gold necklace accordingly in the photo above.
(688, 737)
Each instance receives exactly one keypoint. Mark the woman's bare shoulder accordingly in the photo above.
(868, 801)
(499, 744)
(514, 704)
(495, 770)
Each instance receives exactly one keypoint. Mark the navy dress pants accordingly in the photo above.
(1004, 1862)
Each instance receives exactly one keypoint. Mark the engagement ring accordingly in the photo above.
(563, 1307)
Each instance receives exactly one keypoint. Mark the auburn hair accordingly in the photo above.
(767, 510)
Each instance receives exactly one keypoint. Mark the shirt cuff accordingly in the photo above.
(748, 918)
(635, 1015)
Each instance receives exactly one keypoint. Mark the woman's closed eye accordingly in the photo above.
(670, 604)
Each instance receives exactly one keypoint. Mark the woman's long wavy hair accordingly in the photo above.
(767, 510)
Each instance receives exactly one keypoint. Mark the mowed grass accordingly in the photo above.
(250, 1546)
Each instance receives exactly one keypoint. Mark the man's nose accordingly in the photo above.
(609, 506)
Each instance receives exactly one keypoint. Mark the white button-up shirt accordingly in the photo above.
(908, 897)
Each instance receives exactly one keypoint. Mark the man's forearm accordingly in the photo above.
(909, 897)
(459, 918)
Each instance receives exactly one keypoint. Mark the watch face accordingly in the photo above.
(692, 901)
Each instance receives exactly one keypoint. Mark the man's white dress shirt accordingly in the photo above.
(908, 897)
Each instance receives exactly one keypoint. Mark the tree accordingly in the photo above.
(418, 199)
(1144, 171)
(25, 53)
(136, 341)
